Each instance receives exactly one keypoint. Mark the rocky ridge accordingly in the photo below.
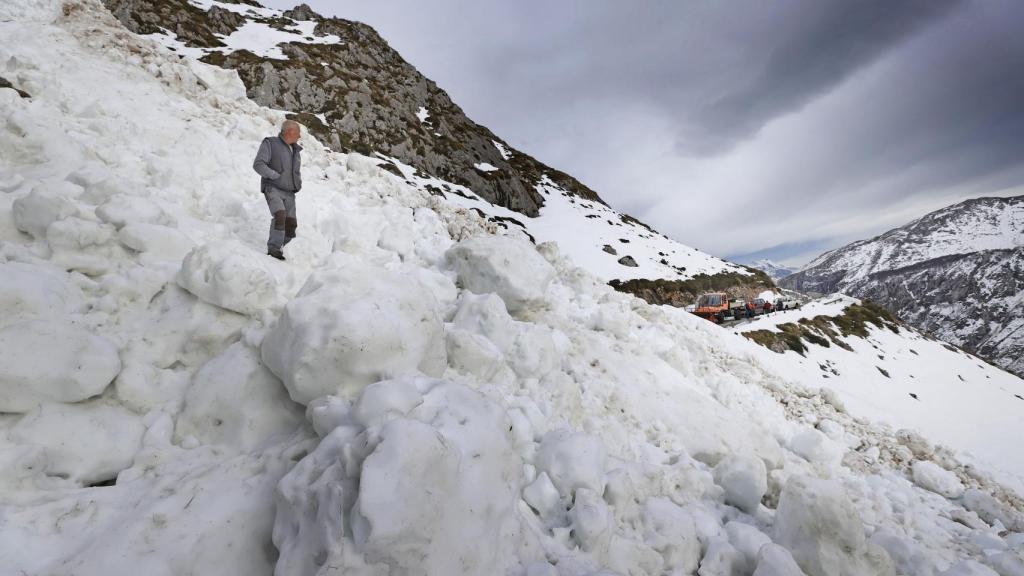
(355, 94)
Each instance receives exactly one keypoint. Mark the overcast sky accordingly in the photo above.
(743, 128)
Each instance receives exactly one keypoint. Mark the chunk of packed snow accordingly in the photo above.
(572, 461)
(76, 366)
(121, 209)
(748, 541)
(87, 442)
(509, 267)
(745, 480)
(28, 291)
(591, 520)
(819, 525)
(231, 275)
(75, 234)
(218, 511)
(474, 354)
(774, 560)
(672, 532)
(721, 559)
(349, 328)
(931, 476)
(485, 167)
(991, 510)
(817, 448)
(235, 401)
(35, 212)
(907, 555)
(156, 241)
(433, 491)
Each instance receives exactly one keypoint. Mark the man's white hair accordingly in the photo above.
(289, 124)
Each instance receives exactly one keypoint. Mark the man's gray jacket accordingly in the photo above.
(278, 165)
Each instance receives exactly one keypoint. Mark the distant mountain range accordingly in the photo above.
(957, 272)
(773, 270)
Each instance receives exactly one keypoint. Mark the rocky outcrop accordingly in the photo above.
(4, 83)
(681, 293)
(957, 273)
(357, 94)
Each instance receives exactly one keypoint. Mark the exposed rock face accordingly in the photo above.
(957, 273)
(4, 83)
(681, 293)
(356, 94)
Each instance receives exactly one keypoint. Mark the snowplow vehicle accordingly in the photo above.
(713, 306)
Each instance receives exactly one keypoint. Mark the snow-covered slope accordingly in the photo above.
(607, 244)
(894, 374)
(356, 93)
(957, 273)
(410, 393)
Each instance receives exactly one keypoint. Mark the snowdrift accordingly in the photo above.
(409, 393)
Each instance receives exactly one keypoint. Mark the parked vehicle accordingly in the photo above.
(759, 306)
(786, 304)
(713, 306)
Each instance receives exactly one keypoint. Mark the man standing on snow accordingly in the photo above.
(278, 162)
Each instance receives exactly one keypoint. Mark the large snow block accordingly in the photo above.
(932, 477)
(820, 526)
(232, 276)
(122, 209)
(87, 442)
(28, 291)
(431, 487)
(349, 328)
(155, 241)
(46, 360)
(745, 480)
(34, 213)
(509, 267)
(573, 461)
(235, 401)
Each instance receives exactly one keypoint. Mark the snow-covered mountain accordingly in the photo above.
(773, 270)
(355, 93)
(416, 390)
(957, 273)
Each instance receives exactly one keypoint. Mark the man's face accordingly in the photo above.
(291, 135)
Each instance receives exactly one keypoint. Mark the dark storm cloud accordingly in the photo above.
(801, 50)
(821, 120)
(719, 69)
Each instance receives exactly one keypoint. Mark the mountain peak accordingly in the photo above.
(957, 272)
